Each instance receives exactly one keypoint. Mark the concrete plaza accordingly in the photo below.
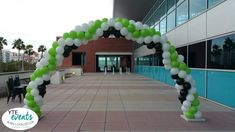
(98, 102)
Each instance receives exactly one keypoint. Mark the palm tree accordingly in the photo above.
(2, 43)
(29, 51)
(42, 49)
(19, 45)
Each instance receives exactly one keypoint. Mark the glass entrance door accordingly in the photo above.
(108, 61)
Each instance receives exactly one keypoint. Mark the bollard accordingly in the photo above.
(120, 71)
(105, 71)
(113, 70)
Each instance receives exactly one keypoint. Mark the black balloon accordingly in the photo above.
(106, 34)
(181, 98)
(111, 30)
(184, 92)
(180, 81)
(151, 45)
(74, 46)
(67, 50)
(117, 34)
(42, 90)
(158, 46)
(46, 82)
(187, 85)
(175, 76)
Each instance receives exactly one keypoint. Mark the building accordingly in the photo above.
(202, 30)
(5, 56)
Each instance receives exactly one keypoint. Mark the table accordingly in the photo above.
(19, 90)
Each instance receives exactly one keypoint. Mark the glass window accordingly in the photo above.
(213, 2)
(157, 60)
(183, 51)
(182, 13)
(78, 58)
(162, 10)
(221, 53)
(163, 26)
(197, 7)
(170, 5)
(157, 27)
(171, 21)
(196, 55)
(179, 2)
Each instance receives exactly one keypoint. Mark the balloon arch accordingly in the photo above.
(129, 29)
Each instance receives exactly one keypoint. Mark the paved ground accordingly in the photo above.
(95, 102)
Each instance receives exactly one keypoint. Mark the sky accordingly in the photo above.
(38, 22)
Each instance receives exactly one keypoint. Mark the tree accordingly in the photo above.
(29, 51)
(19, 45)
(2, 43)
(42, 49)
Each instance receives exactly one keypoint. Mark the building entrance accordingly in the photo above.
(113, 61)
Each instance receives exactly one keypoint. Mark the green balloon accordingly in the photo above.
(158, 33)
(187, 70)
(38, 73)
(39, 114)
(31, 103)
(28, 89)
(55, 44)
(175, 64)
(193, 109)
(182, 66)
(97, 24)
(44, 70)
(118, 20)
(104, 20)
(88, 36)
(92, 29)
(81, 35)
(195, 95)
(131, 28)
(65, 36)
(174, 56)
(36, 109)
(52, 60)
(29, 96)
(32, 77)
(195, 102)
(189, 115)
(172, 49)
(125, 22)
(144, 32)
(52, 52)
(73, 34)
(152, 31)
(51, 67)
(136, 34)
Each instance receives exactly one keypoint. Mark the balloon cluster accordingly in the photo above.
(128, 29)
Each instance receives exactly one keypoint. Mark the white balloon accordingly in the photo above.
(44, 61)
(186, 104)
(69, 42)
(38, 98)
(140, 40)
(166, 61)
(77, 42)
(132, 21)
(182, 74)
(59, 57)
(59, 50)
(124, 31)
(178, 87)
(145, 26)
(38, 65)
(165, 47)
(25, 101)
(174, 71)
(181, 58)
(192, 90)
(188, 78)
(99, 32)
(33, 85)
(34, 92)
(90, 23)
(111, 22)
(166, 55)
(78, 28)
(46, 77)
(61, 42)
(156, 39)
(128, 36)
(45, 55)
(118, 26)
(167, 67)
(190, 97)
(39, 81)
(104, 26)
(147, 39)
(198, 115)
(163, 39)
(184, 109)
(84, 27)
(138, 25)
(40, 103)
(59, 62)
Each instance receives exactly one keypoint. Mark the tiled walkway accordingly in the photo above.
(95, 102)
